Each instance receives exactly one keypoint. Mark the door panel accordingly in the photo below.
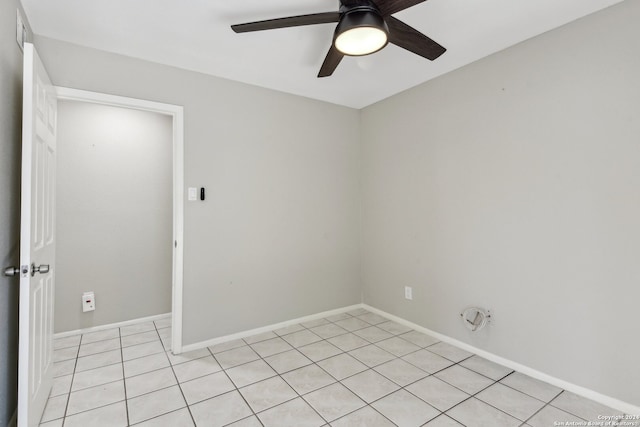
(37, 241)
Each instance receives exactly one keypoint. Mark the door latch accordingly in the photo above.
(42, 269)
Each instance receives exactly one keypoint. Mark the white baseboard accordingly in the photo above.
(243, 334)
(111, 325)
(614, 403)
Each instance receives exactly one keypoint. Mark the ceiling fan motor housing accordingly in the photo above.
(347, 5)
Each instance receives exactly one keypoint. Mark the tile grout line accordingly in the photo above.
(177, 382)
(171, 365)
(277, 374)
(235, 387)
(73, 376)
(337, 381)
(367, 404)
(124, 381)
(309, 328)
(534, 414)
(564, 410)
(66, 415)
(110, 382)
(473, 395)
(321, 339)
(162, 388)
(371, 368)
(253, 413)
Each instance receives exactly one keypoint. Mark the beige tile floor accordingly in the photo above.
(348, 370)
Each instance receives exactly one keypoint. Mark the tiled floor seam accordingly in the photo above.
(298, 395)
(486, 403)
(535, 413)
(182, 393)
(562, 409)
(393, 333)
(261, 358)
(94, 385)
(471, 396)
(316, 363)
(240, 393)
(124, 381)
(93, 409)
(367, 405)
(73, 375)
(234, 385)
(319, 360)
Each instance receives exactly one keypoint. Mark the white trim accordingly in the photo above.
(614, 403)
(178, 230)
(110, 326)
(243, 334)
(117, 101)
(177, 112)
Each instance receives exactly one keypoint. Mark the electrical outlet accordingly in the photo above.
(88, 302)
(408, 292)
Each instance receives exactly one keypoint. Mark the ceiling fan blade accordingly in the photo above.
(331, 61)
(291, 21)
(412, 40)
(389, 7)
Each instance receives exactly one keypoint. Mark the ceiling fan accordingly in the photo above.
(364, 27)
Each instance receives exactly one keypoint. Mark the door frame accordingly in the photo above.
(177, 114)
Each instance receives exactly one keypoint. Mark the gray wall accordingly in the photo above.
(114, 217)
(10, 141)
(514, 184)
(281, 220)
(511, 183)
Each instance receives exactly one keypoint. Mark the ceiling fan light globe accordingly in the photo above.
(361, 41)
(361, 31)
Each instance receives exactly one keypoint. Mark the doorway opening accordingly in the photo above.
(124, 223)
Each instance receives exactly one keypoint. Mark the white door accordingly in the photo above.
(37, 241)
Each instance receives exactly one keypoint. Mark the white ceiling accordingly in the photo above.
(195, 35)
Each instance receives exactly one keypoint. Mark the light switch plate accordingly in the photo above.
(192, 194)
